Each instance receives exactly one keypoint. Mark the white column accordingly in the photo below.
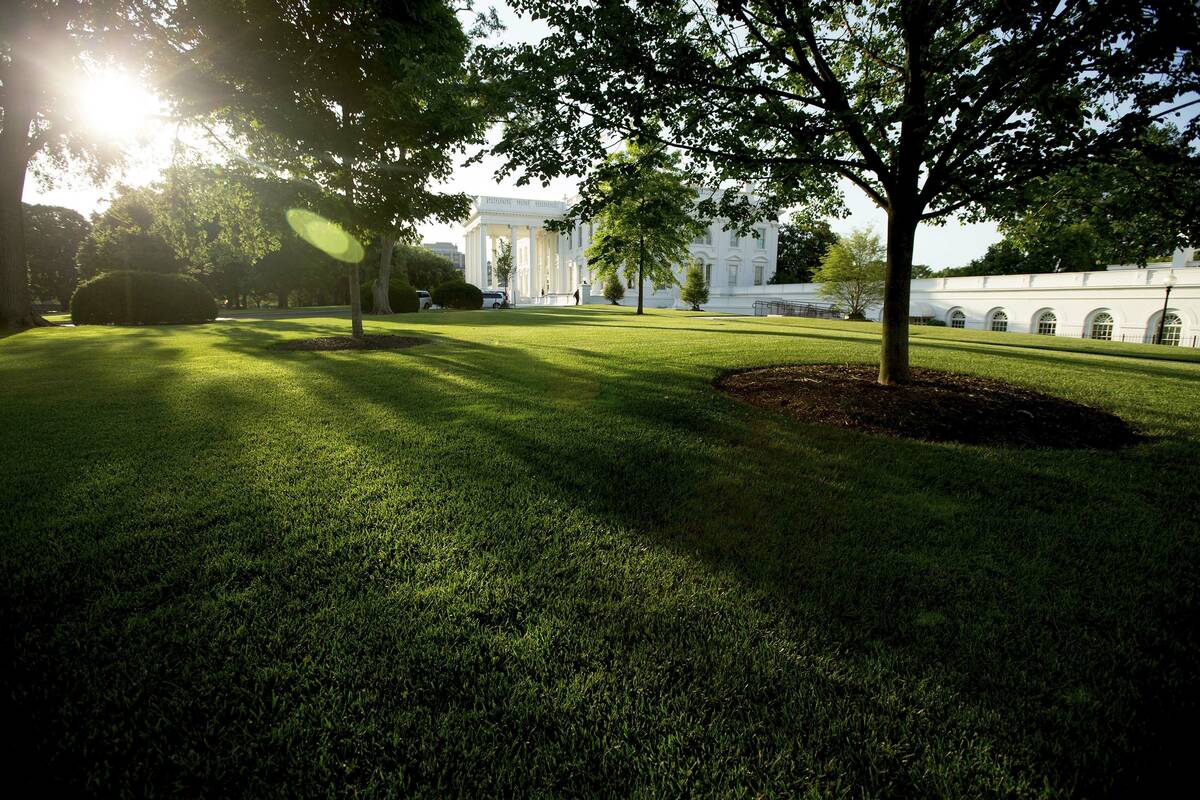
(468, 240)
(482, 254)
(512, 248)
(534, 278)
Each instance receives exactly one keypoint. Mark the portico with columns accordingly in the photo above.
(538, 253)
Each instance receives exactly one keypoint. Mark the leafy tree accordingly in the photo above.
(127, 236)
(505, 268)
(425, 269)
(367, 102)
(852, 273)
(922, 271)
(1132, 208)
(695, 292)
(45, 48)
(614, 289)
(644, 220)
(802, 245)
(53, 235)
(930, 107)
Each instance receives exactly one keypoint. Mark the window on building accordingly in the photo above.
(1102, 326)
(758, 274)
(733, 270)
(760, 242)
(1047, 324)
(708, 274)
(630, 286)
(1172, 330)
(958, 319)
(704, 238)
(734, 239)
(999, 321)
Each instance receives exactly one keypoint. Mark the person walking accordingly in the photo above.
(576, 296)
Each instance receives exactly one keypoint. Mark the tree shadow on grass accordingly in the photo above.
(488, 570)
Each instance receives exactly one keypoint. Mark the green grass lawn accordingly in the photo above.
(542, 556)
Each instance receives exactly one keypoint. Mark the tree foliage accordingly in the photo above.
(928, 106)
(128, 236)
(802, 245)
(695, 291)
(614, 289)
(47, 49)
(852, 273)
(53, 235)
(366, 102)
(505, 267)
(644, 220)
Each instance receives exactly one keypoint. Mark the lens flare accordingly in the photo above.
(325, 235)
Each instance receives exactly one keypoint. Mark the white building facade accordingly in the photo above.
(1121, 303)
(551, 267)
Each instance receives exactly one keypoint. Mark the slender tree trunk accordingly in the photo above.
(356, 322)
(641, 268)
(16, 304)
(893, 357)
(383, 303)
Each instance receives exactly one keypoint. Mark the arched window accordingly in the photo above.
(999, 321)
(1047, 324)
(1172, 329)
(1102, 326)
(958, 319)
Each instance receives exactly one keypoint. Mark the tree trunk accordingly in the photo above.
(383, 303)
(16, 304)
(641, 268)
(356, 322)
(893, 357)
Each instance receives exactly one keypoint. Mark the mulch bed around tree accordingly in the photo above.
(373, 342)
(937, 406)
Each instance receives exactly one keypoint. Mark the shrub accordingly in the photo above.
(614, 290)
(936, 323)
(401, 296)
(128, 297)
(694, 290)
(457, 294)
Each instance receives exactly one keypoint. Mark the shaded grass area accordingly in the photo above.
(541, 555)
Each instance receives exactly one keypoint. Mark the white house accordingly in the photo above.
(550, 267)
(1123, 303)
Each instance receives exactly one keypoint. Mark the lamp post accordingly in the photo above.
(1162, 318)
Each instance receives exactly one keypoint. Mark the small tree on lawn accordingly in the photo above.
(644, 219)
(853, 271)
(614, 290)
(695, 291)
(504, 266)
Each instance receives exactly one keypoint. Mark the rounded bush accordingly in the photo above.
(401, 296)
(457, 294)
(128, 297)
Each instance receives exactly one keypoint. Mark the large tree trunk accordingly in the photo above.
(16, 304)
(383, 303)
(893, 357)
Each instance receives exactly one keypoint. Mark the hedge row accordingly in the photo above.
(128, 297)
(457, 294)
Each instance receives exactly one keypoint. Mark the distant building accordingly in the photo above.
(448, 250)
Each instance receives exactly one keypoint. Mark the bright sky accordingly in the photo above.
(126, 111)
